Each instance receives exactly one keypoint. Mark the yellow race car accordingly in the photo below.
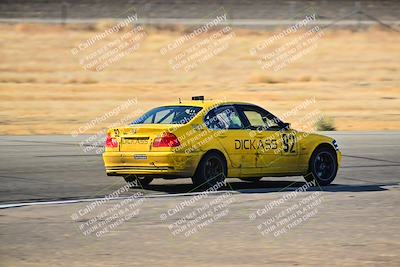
(213, 140)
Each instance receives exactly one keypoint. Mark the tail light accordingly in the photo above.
(166, 140)
(111, 142)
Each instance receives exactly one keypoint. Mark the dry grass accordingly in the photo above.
(354, 77)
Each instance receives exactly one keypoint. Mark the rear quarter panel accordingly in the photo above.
(196, 138)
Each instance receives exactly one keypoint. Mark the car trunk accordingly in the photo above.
(140, 137)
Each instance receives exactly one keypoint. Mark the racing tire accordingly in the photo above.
(136, 181)
(323, 167)
(211, 171)
(253, 179)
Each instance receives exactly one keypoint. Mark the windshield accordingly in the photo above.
(168, 115)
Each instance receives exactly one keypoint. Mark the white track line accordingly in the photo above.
(72, 201)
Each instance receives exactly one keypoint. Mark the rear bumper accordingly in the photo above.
(157, 164)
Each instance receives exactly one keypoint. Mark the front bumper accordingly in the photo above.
(339, 157)
(157, 164)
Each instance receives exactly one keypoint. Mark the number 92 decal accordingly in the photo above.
(289, 143)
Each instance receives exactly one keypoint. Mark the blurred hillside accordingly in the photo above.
(193, 9)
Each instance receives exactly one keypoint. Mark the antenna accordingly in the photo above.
(179, 99)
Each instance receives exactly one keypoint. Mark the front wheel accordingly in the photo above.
(323, 167)
(211, 171)
(136, 181)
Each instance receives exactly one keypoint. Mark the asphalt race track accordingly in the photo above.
(353, 222)
(43, 168)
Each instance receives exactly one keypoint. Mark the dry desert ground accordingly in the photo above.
(352, 77)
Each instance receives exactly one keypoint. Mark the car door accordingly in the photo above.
(275, 145)
(288, 163)
(228, 128)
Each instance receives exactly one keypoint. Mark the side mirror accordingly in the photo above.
(286, 125)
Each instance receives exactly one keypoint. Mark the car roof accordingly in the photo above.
(207, 103)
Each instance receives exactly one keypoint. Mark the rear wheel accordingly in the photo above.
(211, 171)
(136, 181)
(323, 166)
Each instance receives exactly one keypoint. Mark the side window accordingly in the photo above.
(223, 118)
(260, 119)
(271, 123)
(255, 118)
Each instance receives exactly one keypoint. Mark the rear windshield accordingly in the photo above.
(168, 115)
